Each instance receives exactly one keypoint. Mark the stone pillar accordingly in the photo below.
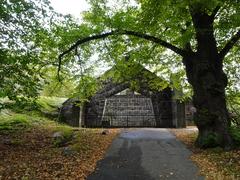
(82, 116)
(178, 118)
(174, 114)
(181, 114)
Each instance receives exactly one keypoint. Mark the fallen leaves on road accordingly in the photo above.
(215, 163)
(32, 155)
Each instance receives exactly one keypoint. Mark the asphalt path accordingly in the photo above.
(146, 154)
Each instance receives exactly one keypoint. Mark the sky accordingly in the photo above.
(74, 7)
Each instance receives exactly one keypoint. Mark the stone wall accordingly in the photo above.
(161, 112)
(69, 112)
(156, 110)
(94, 111)
(128, 111)
(162, 104)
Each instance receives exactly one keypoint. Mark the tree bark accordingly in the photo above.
(204, 70)
(212, 117)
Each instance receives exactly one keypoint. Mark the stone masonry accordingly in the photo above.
(128, 111)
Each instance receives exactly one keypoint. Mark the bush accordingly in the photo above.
(210, 141)
(235, 132)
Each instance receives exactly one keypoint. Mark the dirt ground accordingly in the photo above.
(32, 155)
(214, 163)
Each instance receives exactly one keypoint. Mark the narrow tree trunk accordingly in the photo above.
(205, 74)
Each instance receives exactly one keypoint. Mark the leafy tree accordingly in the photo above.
(22, 34)
(201, 33)
(31, 36)
(87, 87)
(54, 87)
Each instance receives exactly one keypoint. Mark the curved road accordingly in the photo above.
(146, 154)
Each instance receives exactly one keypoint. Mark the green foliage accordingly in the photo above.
(133, 72)
(30, 40)
(49, 104)
(54, 87)
(20, 23)
(87, 87)
(233, 103)
(168, 19)
(20, 104)
(14, 122)
(17, 77)
(232, 68)
(211, 140)
(235, 132)
(42, 104)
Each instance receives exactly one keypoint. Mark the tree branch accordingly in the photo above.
(78, 43)
(155, 40)
(87, 39)
(120, 32)
(229, 45)
(215, 11)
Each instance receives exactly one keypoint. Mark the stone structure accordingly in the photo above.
(70, 112)
(147, 107)
(128, 110)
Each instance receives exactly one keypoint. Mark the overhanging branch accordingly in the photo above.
(155, 40)
(120, 32)
(78, 43)
(87, 39)
(229, 45)
(215, 11)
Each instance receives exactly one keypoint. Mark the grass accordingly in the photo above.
(49, 104)
(46, 105)
(214, 163)
(14, 122)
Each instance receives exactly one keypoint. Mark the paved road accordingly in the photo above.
(146, 154)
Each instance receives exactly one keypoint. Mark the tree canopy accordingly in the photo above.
(202, 35)
(31, 38)
(149, 23)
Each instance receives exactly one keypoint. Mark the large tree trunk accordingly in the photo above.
(205, 74)
(211, 117)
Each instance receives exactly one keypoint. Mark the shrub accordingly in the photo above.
(235, 132)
